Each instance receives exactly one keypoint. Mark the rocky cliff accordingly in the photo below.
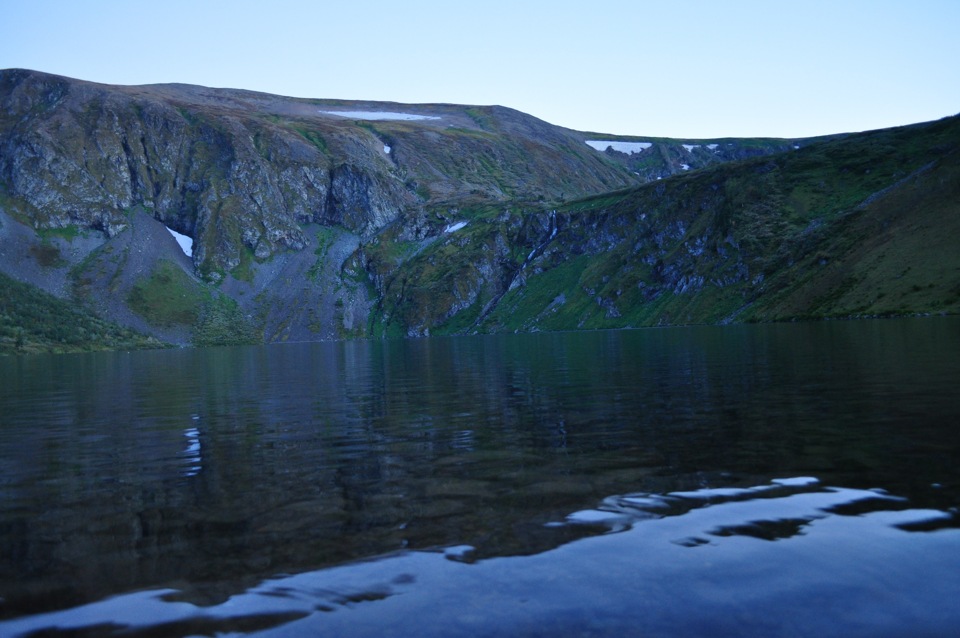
(325, 219)
(243, 171)
(864, 225)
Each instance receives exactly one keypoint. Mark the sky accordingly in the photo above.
(672, 68)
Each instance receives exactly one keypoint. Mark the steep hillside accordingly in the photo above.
(866, 224)
(304, 220)
(239, 172)
(32, 321)
(286, 201)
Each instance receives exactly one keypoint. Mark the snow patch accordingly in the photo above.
(690, 147)
(454, 227)
(386, 149)
(685, 167)
(380, 115)
(627, 148)
(713, 147)
(186, 244)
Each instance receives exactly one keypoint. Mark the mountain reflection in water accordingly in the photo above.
(610, 483)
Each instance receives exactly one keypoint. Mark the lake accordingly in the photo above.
(789, 479)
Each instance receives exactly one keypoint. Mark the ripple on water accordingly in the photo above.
(640, 576)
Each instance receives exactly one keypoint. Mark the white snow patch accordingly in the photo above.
(713, 147)
(186, 244)
(381, 115)
(386, 149)
(628, 148)
(685, 167)
(690, 147)
(454, 227)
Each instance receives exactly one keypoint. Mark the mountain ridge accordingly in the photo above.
(764, 240)
(309, 225)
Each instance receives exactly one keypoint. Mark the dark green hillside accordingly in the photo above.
(899, 254)
(33, 321)
(868, 224)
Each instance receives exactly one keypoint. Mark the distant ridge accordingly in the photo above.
(316, 219)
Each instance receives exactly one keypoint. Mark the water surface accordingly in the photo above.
(798, 479)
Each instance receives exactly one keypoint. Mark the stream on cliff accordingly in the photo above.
(795, 479)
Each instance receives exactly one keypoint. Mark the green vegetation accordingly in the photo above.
(244, 270)
(863, 225)
(170, 297)
(391, 252)
(482, 118)
(221, 322)
(188, 115)
(69, 232)
(32, 321)
(167, 297)
(559, 236)
(895, 255)
(522, 307)
(314, 138)
(325, 238)
(47, 255)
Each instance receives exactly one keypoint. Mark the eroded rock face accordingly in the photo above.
(361, 226)
(82, 154)
(241, 172)
(359, 201)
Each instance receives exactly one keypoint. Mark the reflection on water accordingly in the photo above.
(684, 563)
(191, 456)
(209, 480)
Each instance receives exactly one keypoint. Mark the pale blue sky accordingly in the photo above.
(682, 69)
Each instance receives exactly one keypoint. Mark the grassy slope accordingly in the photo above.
(852, 225)
(32, 321)
(899, 254)
(169, 297)
(839, 229)
(861, 225)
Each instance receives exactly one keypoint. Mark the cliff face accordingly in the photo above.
(322, 219)
(864, 225)
(236, 170)
(85, 155)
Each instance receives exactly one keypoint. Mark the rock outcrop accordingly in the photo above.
(243, 171)
(80, 154)
(324, 219)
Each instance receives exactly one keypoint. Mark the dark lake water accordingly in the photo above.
(795, 480)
